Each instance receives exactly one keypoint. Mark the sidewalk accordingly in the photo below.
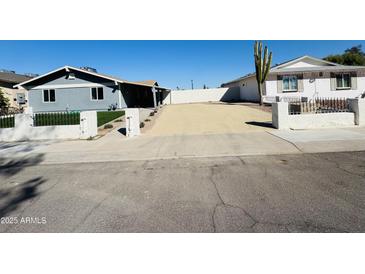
(115, 147)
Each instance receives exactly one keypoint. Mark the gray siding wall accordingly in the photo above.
(75, 98)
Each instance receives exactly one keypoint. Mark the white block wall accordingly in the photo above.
(282, 120)
(321, 120)
(24, 129)
(202, 95)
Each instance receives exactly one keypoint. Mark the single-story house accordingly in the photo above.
(76, 89)
(17, 97)
(305, 76)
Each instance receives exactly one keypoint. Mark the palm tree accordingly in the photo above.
(262, 66)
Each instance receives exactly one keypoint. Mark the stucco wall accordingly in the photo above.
(318, 88)
(75, 94)
(73, 99)
(247, 89)
(202, 95)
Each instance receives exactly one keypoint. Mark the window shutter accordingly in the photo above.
(333, 81)
(279, 81)
(300, 83)
(353, 80)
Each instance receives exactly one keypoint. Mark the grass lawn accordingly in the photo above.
(107, 116)
(7, 122)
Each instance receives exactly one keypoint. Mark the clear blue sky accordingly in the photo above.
(171, 63)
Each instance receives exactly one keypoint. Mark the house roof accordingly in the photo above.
(147, 83)
(298, 59)
(278, 68)
(13, 78)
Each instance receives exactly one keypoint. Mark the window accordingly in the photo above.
(49, 95)
(343, 81)
(290, 83)
(97, 94)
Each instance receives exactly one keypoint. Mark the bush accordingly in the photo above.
(119, 120)
(141, 125)
(147, 120)
(108, 126)
(152, 113)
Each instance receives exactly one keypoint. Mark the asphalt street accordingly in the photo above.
(322, 192)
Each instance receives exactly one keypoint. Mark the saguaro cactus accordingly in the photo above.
(262, 66)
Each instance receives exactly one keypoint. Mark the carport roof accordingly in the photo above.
(148, 83)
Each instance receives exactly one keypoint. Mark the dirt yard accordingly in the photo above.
(209, 118)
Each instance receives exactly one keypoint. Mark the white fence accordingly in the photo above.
(202, 95)
(281, 119)
(25, 130)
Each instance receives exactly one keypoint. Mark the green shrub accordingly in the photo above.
(141, 125)
(152, 113)
(147, 120)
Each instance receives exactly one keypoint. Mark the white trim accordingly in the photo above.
(91, 94)
(84, 71)
(342, 80)
(49, 97)
(301, 58)
(289, 90)
(119, 96)
(63, 86)
(40, 76)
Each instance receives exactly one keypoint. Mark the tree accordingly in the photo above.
(4, 101)
(262, 66)
(351, 57)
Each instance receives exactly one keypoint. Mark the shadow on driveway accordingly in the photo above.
(260, 124)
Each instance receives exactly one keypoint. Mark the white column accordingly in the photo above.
(358, 107)
(132, 122)
(280, 115)
(154, 97)
(88, 124)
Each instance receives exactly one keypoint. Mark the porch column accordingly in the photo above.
(154, 97)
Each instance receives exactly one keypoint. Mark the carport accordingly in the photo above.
(145, 94)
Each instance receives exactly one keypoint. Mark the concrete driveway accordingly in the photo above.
(209, 118)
